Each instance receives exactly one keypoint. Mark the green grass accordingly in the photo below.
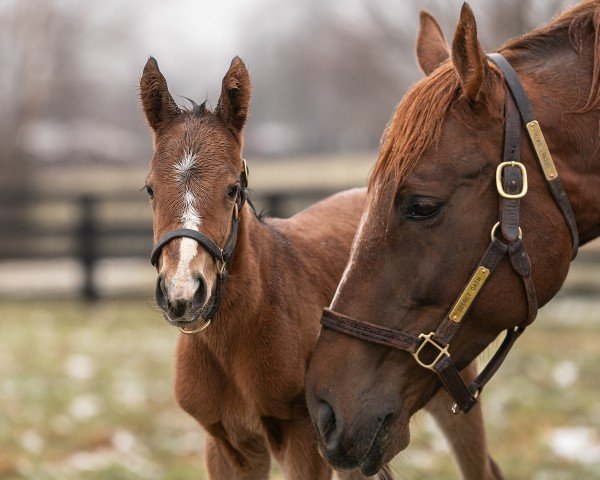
(86, 393)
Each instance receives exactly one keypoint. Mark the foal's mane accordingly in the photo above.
(417, 122)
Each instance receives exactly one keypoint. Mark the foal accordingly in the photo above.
(242, 378)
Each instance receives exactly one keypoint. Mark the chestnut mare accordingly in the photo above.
(242, 376)
(435, 193)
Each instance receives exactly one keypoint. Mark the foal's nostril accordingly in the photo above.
(161, 293)
(200, 295)
(326, 424)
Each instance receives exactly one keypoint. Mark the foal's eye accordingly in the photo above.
(150, 191)
(422, 208)
(232, 192)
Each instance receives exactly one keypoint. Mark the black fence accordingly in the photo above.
(94, 227)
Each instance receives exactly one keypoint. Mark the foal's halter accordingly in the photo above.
(431, 350)
(223, 256)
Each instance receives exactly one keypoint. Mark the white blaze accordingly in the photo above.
(184, 283)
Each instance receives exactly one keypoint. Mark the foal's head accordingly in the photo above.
(432, 203)
(193, 183)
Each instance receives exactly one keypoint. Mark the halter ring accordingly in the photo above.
(495, 227)
(196, 330)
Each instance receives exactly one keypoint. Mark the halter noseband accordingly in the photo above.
(223, 256)
(431, 350)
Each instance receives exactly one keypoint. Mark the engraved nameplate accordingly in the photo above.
(539, 143)
(469, 293)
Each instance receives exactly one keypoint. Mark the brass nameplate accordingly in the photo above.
(539, 143)
(469, 293)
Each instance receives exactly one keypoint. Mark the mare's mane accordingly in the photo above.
(418, 119)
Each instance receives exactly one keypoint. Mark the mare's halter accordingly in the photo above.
(223, 256)
(431, 350)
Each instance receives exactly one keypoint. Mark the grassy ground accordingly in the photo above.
(85, 393)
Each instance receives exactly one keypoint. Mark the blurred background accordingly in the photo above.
(85, 358)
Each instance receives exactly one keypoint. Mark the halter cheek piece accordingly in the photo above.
(223, 256)
(431, 350)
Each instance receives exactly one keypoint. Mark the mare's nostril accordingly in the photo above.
(325, 421)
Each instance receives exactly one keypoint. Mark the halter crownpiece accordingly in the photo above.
(431, 350)
(223, 256)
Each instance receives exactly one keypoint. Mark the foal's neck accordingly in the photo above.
(559, 86)
(240, 319)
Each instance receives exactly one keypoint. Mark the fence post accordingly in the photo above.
(274, 204)
(87, 245)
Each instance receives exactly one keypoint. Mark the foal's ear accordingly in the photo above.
(467, 55)
(157, 102)
(432, 49)
(234, 101)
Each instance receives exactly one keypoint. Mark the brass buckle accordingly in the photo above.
(499, 186)
(236, 211)
(196, 330)
(495, 227)
(427, 340)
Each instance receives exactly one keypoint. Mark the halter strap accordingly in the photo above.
(431, 350)
(202, 239)
(538, 142)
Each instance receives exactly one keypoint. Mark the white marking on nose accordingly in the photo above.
(183, 283)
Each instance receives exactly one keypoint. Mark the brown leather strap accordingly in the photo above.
(496, 361)
(512, 176)
(526, 110)
(368, 331)
(464, 396)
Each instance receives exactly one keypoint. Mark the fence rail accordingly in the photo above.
(90, 228)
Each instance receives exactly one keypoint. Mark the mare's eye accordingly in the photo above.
(422, 208)
(150, 191)
(233, 191)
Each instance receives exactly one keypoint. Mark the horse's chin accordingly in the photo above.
(383, 450)
(183, 322)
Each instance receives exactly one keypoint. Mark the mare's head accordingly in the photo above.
(431, 205)
(193, 183)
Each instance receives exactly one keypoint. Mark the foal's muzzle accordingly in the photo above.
(181, 310)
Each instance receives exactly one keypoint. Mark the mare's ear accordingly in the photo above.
(157, 102)
(234, 101)
(432, 49)
(467, 55)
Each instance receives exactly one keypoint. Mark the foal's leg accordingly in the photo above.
(223, 462)
(298, 452)
(466, 434)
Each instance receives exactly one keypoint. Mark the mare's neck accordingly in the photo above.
(558, 86)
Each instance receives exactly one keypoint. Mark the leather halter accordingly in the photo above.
(431, 350)
(223, 256)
